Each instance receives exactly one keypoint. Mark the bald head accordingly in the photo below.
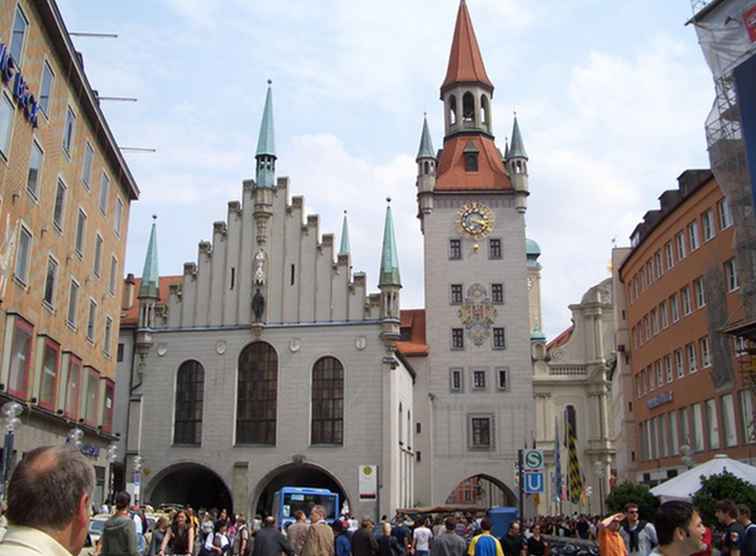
(47, 486)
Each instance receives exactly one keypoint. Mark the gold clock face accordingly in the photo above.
(475, 219)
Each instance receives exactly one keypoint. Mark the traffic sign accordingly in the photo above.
(533, 460)
(534, 483)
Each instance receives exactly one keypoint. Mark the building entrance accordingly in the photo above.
(295, 475)
(190, 484)
(482, 490)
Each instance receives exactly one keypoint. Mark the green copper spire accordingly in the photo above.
(266, 146)
(426, 145)
(151, 275)
(506, 148)
(389, 256)
(345, 248)
(517, 148)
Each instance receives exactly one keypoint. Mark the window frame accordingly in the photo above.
(48, 343)
(707, 225)
(691, 354)
(455, 299)
(460, 372)
(80, 236)
(681, 248)
(693, 239)
(454, 334)
(679, 363)
(46, 109)
(118, 217)
(495, 248)
(108, 412)
(475, 384)
(455, 249)
(51, 302)
(35, 193)
(497, 299)
(18, 61)
(25, 280)
(5, 142)
(263, 374)
(498, 373)
(97, 262)
(86, 169)
(745, 416)
(189, 404)
(27, 328)
(59, 225)
(499, 338)
(93, 378)
(731, 276)
(698, 287)
(686, 301)
(704, 344)
(333, 415)
(73, 324)
(103, 197)
(73, 360)
(729, 424)
(91, 332)
(69, 138)
(479, 447)
(713, 430)
(724, 213)
(113, 281)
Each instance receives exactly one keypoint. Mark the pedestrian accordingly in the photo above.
(536, 545)
(342, 546)
(610, 541)
(138, 527)
(297, 531)
(207, 527)
(748, 547)
(363, 541)
(421, 539)
(319, 540)
(269, 541)
(732, 540)
(484, 543)
(512, 544)
(180, 536)
(401, 533)
(241, 546)
(639, 535)
(119, 534)
(353, 524)
(387, 544)
(158, 534)
(217, 544)
(679, 530)
(49, 495)
(447, 543)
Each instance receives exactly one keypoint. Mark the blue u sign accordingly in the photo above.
(534, 483)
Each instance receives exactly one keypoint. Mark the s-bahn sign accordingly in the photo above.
(533, 460)
(25, 100)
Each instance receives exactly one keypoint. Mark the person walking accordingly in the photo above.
(387, 544)
(342, 545)
(297, 531)
(610, 541)
(421, 539)
(679, 530)
(447, 543)
(512, 544)
(49, 495)
(217, 544)
(639, 536)
(119, 536)
(158, 534)
(749, 537)
(319, 540)
(269, 541)
(180, 536)
(732, 540)
(241, 539)
(536, 545)
(484, 543)
(363, 541)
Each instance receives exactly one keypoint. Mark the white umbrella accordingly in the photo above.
(684, 486)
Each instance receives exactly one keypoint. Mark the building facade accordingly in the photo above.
(682, 288)
(269, 362)
(65, 192)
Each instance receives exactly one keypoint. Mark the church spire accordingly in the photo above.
(517, 148)
(465, 61)
(266, 146)
(150, 286)
(389, 257)
(426, 144)
(345, 248)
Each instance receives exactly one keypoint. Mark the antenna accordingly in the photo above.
(138, 149)
(123, 99)
(94, 35)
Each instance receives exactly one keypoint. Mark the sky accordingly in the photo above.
(611, 98)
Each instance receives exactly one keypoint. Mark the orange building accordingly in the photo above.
(682, 289)
(65, 192)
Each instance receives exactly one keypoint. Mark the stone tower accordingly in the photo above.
(476, 395)
(149, 292)
(389, 283)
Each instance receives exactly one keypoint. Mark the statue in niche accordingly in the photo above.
(260, 268)
(258, 305)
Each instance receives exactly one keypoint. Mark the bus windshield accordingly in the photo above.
(299, 501)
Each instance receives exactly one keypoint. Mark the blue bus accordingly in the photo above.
(289, 500)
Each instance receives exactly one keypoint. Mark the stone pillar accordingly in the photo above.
(240, 489)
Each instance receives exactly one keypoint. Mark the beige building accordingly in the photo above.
(65, 192)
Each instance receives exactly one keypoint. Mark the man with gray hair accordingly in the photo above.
(49, 496)
(319, 540)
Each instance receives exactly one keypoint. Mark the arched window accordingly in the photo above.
(452, 110)
(257, 395)
(190, 386)
(401, 424)
(484, 108)
(426, 167)
(328, 401)
(468, 107)
(570, 423)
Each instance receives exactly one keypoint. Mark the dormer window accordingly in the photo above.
(471, 157)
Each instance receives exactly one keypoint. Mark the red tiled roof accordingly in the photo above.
(416, 346)
(561, 339)
(451, 167)
(465, 61)
(130, 316)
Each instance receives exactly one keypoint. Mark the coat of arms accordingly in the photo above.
(477, 314)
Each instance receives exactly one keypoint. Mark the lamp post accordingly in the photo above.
(73, 438)
(600, 474)
(685, 452)
(10, 412)
(112, 455)
(138, 464)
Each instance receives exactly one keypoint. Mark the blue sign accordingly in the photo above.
(90, 451)
(21, 94)
(659, 399)
(534, 483)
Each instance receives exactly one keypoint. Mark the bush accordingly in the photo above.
(633, 492)
(721, 487)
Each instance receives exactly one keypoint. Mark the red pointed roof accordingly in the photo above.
(465, 61)
(452, 175)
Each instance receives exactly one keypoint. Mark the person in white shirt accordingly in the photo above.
(217, 543)
(421, 539)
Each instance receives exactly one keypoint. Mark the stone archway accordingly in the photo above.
(482, 490)
(189, 484)
(296, 475)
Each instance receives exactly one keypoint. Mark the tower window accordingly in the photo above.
(468, 108)
(457, 338)
(497, 294)
(494, 248)
(456, 294)
(455, 249)
(291, 278)
(471, 162)
(499, 339)
(426, 167)
(233, 277)
(452, 110)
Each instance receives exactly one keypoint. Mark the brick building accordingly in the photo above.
(682, 288)
(65, 192)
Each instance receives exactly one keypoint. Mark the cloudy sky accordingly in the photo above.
(611, 97)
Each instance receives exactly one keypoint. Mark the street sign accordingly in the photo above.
(534, 482)
(368, 482)
(533, 461)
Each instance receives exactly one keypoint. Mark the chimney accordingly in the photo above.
(128, 292)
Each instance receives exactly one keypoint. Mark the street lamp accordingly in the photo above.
(138, 464)
(112, 455)
(685, 452)
(73, 438)
(599, 471)
(10, 412)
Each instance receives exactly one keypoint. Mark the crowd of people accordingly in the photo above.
(49, 498)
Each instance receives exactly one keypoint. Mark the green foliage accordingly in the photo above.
(722, 487)
(632, 492)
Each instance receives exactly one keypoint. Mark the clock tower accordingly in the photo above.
(477, 392)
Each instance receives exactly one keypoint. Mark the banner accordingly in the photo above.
(368, 482)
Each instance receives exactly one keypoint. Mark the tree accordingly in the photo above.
(722, 487)
(633, 492)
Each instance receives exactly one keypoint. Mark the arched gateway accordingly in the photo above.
(189, 484)
(482, 490)
(297, 475)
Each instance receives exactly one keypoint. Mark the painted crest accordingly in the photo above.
(477, 313)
